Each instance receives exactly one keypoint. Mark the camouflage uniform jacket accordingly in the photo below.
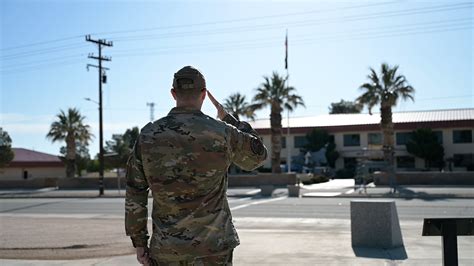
(183, 158)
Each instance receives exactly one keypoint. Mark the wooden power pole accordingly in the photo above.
(102, 79)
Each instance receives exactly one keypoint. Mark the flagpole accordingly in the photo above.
(288, 146)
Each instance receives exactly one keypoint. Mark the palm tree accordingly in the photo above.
(273, 93)
(385, 89)
(237, 106)
(70, 127)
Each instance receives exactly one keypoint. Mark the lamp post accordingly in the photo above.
(101, 147)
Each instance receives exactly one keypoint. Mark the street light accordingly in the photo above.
(90, 100)
(101, 146)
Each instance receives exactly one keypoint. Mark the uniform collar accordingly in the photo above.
(184, 110)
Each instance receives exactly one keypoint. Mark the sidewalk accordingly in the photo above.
(264, 241)
(333, 188)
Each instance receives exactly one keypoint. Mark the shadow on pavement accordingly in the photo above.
(381, 253)
(409, 194)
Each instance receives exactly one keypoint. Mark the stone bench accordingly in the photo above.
(375, 224)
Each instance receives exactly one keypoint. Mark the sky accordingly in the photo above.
(332, 45)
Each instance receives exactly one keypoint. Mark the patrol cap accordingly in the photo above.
(189, 78)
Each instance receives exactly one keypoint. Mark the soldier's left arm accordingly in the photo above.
(136, 200)
(248, 150)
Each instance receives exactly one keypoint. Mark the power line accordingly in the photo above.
(269, 41)
(40, 67)
(302, 23)
(43, 51)
(253, 27)
(251, 44)
(40, 43)
(196, 24)
(307, 41)
(36, 62)
(244, 19)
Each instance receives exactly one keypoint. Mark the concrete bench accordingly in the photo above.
(375, 224)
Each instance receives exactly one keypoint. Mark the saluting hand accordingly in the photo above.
(221, 112)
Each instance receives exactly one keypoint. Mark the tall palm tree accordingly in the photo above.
(70, 127)
(238, 106)
(273, 93)
(385, 88)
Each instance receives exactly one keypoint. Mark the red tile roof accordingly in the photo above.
(25, 157)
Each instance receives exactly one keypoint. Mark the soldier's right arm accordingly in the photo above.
(247, 148)
(136, 200)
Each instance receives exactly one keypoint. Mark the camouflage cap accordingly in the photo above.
(189, 78)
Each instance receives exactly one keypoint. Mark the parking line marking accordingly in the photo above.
(256, 203)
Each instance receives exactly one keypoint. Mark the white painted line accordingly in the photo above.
(256, 203)
(251, 192)
(349, 191)
(237, 200)
(322, 194)
(58, 216)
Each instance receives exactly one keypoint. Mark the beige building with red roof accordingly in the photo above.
(359, 135)
(29, 164)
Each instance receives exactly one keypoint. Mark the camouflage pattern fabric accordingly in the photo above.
(225, 259)
(183, 159)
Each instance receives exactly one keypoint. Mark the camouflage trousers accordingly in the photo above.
(225, 259)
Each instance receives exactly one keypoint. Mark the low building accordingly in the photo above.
(29, 164)
(359, 135)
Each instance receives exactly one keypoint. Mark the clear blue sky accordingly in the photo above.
(331, 46)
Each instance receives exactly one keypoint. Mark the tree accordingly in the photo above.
(6, 153)
(82, 156)
(118, 149)
(238, 106)
(70, 127)
(318, 139)
(385, 89)
(345, 107)
(424, 144)
(273, 93)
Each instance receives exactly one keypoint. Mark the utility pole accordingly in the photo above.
(102, 79)
(152, 111)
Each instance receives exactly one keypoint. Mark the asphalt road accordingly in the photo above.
(277, 207)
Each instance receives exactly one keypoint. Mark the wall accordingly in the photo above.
(428, 178)
(16, 173)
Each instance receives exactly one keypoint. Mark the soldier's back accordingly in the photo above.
(185, 158)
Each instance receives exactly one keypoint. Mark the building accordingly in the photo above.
(359, 135)
(29, 164)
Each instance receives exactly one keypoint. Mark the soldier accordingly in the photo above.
(183, 159)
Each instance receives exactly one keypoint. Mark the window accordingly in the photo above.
(402, 138)
(462, 136)
(350, 162)
(405, 162)
(300, 141)
(439, 136)
(283, 142)
(463, 160)
(351, 140)
(375, 138)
